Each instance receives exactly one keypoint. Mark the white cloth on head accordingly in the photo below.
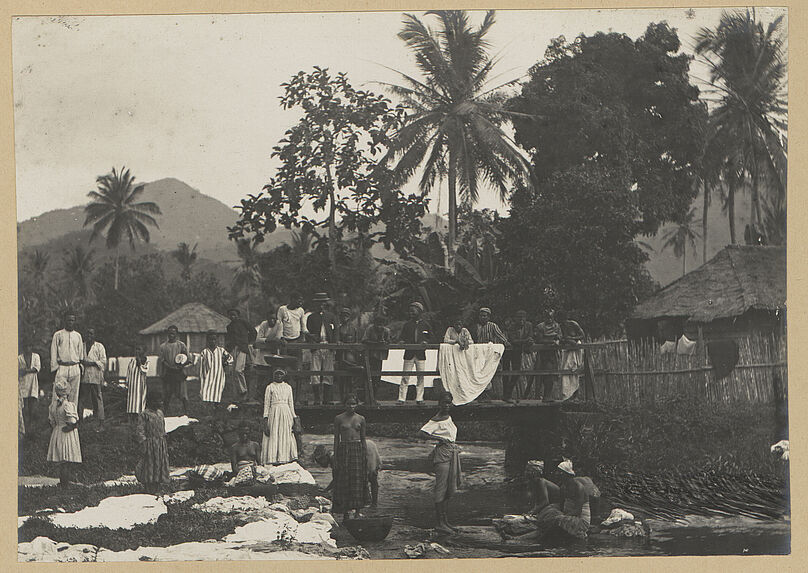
(566, 466)
(466, 373)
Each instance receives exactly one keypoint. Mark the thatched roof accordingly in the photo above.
(738, 279)
(192, 317)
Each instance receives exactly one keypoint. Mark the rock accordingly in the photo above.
(635, 529)
(303, 515)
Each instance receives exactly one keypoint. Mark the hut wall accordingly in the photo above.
(634, 373)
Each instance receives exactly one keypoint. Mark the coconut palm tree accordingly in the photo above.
(186, 257)
(114, 210)
(455, 127)
(38, 265)
(79, 266)
(748, 76)
(679, 236)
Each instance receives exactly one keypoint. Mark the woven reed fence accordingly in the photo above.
(633, 373)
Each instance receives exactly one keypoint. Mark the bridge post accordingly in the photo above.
(533, 436)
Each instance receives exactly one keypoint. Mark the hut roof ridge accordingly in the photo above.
(190, 317)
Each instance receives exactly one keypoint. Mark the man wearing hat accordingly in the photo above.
(414, 331)
(321, 329)
(171, 360)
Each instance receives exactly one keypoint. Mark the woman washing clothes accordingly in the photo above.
(279, 445)
(64, 448)
(445, 459)
(350, 461)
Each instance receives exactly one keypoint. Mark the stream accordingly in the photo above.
(405, 492)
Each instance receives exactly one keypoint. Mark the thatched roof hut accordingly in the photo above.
(192, 320)
(741, 289)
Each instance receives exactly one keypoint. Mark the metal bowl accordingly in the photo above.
(369, 528)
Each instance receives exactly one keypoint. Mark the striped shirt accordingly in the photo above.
(490, 332)
(136, 385)
(212, 374)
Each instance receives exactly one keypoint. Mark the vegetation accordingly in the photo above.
(114, 210)
(680, 236)
(186, 257)
(455, 126)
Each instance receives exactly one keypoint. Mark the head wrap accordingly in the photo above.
(61, 389)
(566, 466)
(280, 371)
(535, 468)
(418, 305)
(485, 309)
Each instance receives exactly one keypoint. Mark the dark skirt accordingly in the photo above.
(153, 464)
(351, 478)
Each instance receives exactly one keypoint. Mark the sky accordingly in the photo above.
(196, 97)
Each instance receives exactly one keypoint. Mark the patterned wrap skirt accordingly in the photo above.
(351, 479)
(153, 464)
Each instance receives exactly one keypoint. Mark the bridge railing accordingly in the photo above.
(293, 362)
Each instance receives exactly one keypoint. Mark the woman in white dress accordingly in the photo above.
(279, 445)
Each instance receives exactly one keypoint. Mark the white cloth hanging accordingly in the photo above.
(466, 373)
(668, 348)
(686, 346)
(395, 362)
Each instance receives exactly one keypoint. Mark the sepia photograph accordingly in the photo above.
(396, 285)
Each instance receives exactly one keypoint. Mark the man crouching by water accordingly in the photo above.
(576, 492)
(324, 458)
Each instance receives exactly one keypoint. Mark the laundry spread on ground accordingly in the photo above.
(114, 513)
(174, 422)
(466, 373)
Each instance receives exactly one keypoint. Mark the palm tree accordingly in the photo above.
(79, 267)
(38, 265)
(248, 274)
(748, 70)
(114, 210)
(679, 236)
(186, 257)
(455, 126)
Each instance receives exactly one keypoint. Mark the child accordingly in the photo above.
(325, 459)
(64, 448)
(350, 461)
(152, 468)
(136, 383)
(458, 334)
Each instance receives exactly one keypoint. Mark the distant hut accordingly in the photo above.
(740, 291)
(192, 320)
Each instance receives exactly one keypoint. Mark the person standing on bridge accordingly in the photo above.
(485, 332)
(445, 460)
(548, 335)
(520, 335)
(414, 331)
(321, 329)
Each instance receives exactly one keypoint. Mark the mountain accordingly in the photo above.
(665, 267)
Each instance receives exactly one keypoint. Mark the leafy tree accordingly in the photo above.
(572, 246)
(748, 76)
(186, 256)
(455, 130)
(679, 236)
(78, 268)
(114, 210)
(621, 104)
(328, 164)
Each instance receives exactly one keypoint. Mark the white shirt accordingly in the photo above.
(291, 321)
(67, 347)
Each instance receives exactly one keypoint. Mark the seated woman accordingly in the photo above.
(244, 455)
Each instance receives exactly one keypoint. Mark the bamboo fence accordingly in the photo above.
(635, 373)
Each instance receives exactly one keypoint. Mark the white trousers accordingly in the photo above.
(419, 366)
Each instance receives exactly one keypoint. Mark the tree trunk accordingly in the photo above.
(684, 259)
(704, 221)
(117, 256)
(754, 210)
(731, 212)
(450, 241)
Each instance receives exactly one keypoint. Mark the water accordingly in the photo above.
(405, 491)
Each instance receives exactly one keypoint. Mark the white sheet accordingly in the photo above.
(115, 513)
(466, 373)
(395, 361)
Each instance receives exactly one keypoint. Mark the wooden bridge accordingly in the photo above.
(290, 361)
